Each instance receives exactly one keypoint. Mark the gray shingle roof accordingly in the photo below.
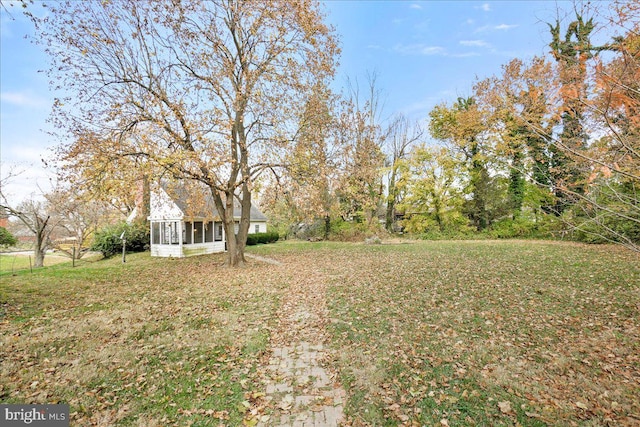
(197, 202)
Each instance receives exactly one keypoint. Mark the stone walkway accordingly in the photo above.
(300, 389)
(303, 392)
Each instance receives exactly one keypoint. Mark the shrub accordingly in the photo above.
(608, 228)
(513, 228)
(7, 239)
(107, 241)
(258, 238)
(349, 231)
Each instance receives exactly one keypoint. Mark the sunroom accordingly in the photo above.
(174, 238)
(186, 223)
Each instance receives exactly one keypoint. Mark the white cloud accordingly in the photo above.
(474, 43)
(419, 49)
(504, 27)
(416, 6)
(484, 7)
(500, 27)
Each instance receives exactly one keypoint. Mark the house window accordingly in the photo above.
(257, 228)
(208, 232)
(169, 233)
(198, 232)
(187, 233)
(164, 233)
(218, 232)
(155, 233)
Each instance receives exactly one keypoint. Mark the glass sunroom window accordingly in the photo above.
(155, 233)
(208, 232)
(198, 232)
(218, 232)
(169, 233)
(187, 233)
(165, 233)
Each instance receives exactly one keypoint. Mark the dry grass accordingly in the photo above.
(152, 340)
(11, 262)
(457, 333)
(490, 333)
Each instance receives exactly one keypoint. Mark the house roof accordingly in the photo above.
(196, 201)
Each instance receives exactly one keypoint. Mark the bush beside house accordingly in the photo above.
(257, 238)
(107, 240)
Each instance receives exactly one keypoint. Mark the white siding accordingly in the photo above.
(202, 248)
(166, 251)
(262, 227)
(162, 207)
(177, 251)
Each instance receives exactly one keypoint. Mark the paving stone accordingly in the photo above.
(299, 389)
(300, 365)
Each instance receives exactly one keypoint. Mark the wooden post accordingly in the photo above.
(73, 257)
(124, 246)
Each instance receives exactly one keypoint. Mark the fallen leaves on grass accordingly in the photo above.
(430, 333)
(505, 407)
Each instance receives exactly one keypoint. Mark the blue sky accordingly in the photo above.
(423, 53)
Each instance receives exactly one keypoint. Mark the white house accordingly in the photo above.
(187, 223)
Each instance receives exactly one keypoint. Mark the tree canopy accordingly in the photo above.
(196, 90)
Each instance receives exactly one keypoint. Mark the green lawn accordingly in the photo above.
(489, 333)
(429, 333)
(11, 263)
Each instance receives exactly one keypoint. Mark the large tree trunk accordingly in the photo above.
(236, 242)
(40, 248)
(327, 226)
(39, 253)
(245, 220)
(235, 250)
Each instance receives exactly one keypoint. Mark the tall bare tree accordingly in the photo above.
(34, 214)
(400, 137)
(78, 217)
(200, 90)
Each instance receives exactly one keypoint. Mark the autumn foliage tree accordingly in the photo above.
(315, 164)
(610, 208)
(432, 190)
(463, 127)
(520, 102)
(360, 130)
(206, 91)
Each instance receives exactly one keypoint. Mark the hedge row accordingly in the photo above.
(256, 238)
